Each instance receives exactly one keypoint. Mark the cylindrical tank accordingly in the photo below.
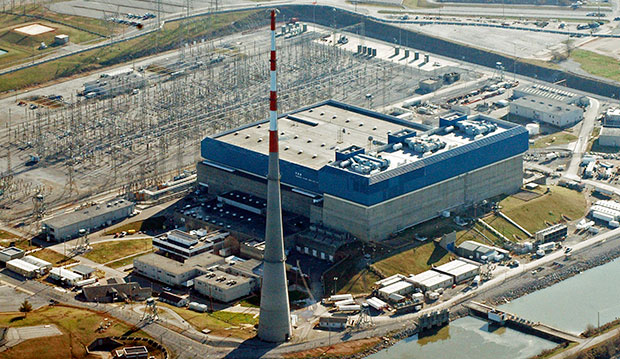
(533, 129)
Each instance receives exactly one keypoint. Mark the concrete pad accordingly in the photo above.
(38, 331)
(34, 29)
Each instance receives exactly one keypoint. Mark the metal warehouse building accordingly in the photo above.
(366, 173)
(68, 225)
(459, 270)
(547, 110)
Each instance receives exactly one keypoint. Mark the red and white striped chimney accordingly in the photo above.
(273, 96)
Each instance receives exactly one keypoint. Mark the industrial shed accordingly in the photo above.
(609, 137)
(23, 268)
(401, 288)
(68, 225)
(459, 270)
(431, 280)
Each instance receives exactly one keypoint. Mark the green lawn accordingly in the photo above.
(7, 235)
(506, 228)
(166, 39)
(414, 261)
(549, 207)
(596, 64)
(220, 323)
(555, 139)
(110, 251)
(77, 325)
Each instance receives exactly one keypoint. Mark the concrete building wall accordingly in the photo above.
(560, 119)
(152, 271)
(222, 292)
(69, 231)
(378, 221)
(221, 181)
(611, 140)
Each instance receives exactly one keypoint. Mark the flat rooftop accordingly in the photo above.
(203, 260)
(317, 132)
(11, 251)
(312, 136)
(85, 214)
(548, 105)
(221, 279)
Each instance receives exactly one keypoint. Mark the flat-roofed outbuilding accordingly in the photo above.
(68, 225)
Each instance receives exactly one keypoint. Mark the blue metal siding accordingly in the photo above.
(257, 163)
(383, 186)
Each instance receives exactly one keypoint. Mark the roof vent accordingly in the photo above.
(296, 137)
(300, 152)
(236, 133)
(310, 110)
(258, 126)
(281, 133)
(286, 148)
(309, 140)
(361, 124)
(323, 144)
(260, 139)
(322, 113)
(314, 155)
(374, 128)
(347, 120)
(334, 117)
(247, 136)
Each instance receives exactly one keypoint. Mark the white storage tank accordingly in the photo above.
(533, 129)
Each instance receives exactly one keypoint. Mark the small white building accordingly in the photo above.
(431, 280)
(10, 253)
(65, 276)
(333, 322)
(546, 110)
(61, 39)
(459, 270)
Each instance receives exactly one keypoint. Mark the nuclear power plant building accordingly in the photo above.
(368, 173)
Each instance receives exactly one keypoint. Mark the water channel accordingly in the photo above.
(570, 305)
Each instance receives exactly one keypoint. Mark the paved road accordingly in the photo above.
(581, 145)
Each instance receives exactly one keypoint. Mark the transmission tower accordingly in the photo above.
(151, 312)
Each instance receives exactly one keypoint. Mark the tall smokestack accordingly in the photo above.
(275, 316)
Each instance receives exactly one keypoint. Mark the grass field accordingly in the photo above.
(596, 64)
(472, 235)
(20, 46)
(413, 261)
(123, 262)
(77, 325)
(506, 228)
(361, 282)
(555, 139)
(166, 39)
(220, 323)
(7, 235)
(548, 207)
(53, 257)
(110, 251)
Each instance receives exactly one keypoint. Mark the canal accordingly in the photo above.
(575, 303)
(468, 337)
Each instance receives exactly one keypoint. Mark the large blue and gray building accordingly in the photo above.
(367, 173)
